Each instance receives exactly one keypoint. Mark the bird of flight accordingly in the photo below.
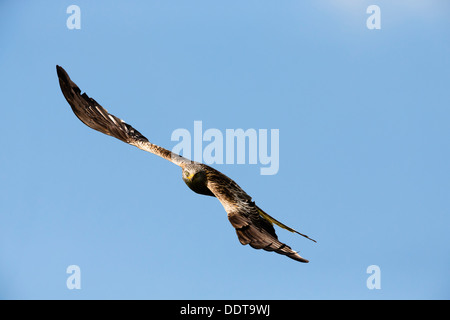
(253, 226)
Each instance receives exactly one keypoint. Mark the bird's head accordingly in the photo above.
(194, 175)
(192, 172)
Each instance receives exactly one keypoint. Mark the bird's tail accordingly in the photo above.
(272, 220)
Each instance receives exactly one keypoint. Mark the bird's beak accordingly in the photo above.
(189, 177)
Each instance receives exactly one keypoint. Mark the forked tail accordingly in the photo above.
(272, 220)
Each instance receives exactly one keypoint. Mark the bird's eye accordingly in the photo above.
(186, 174)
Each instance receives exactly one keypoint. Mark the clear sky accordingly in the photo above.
(364, 158)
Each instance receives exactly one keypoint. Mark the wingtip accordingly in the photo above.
(303, 260)
(60, 71)
(299, 258)
(64, 79)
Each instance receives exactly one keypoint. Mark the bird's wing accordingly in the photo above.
(96, 117)
(253, 226)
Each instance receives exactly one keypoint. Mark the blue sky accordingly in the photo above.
(363, 117)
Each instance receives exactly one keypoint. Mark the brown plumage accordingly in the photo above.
(253, 226)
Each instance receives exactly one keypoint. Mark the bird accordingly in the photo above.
(253, 226)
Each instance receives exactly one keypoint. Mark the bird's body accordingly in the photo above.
(253, 226)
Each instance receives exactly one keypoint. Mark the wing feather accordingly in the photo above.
(251, 227)
(92, 114)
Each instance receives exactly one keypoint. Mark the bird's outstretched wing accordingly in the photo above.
(96, 117)
(253, 226)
